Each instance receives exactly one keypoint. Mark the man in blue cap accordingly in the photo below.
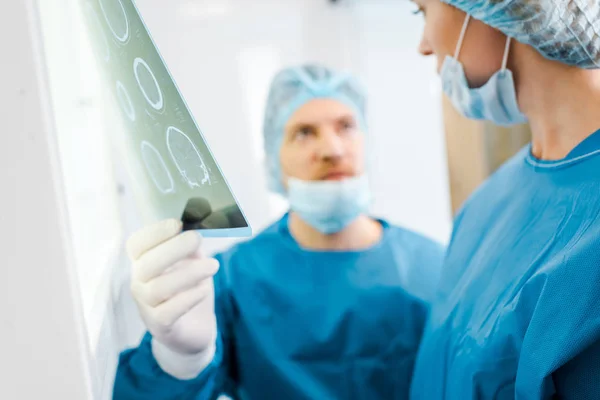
(327, 303)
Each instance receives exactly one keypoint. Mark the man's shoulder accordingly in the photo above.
(268, 237)
(412, 239)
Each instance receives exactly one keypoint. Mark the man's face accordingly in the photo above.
(322, 141)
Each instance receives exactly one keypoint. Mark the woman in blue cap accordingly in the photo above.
(327, 303)
(517, 315)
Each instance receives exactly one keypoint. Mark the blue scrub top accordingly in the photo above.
(301, 324)
(518, 310)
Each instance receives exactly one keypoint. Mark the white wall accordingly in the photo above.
(223, 54)
(42, 331)
(90, 186)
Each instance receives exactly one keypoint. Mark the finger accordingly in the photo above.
(160, 258)
(186, 275)
(167, 313)
(151, 236)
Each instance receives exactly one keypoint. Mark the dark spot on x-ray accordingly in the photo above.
(198, 214)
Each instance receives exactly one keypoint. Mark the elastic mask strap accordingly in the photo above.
(506, 51)
(462, 36)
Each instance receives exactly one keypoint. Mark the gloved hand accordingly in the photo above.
(173, 287)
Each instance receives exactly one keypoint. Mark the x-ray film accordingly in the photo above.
(171, 165)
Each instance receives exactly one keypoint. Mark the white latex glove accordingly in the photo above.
(173, 287)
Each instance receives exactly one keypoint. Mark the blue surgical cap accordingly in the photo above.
(291, 89)
(562, 30)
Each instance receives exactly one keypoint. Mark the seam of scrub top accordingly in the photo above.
(559, 163)
(289, 240)
(565, 162)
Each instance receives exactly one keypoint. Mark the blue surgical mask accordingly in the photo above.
(496, 101)
(329, 206)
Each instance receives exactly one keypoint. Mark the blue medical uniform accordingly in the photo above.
(300, 324)
(517, 314)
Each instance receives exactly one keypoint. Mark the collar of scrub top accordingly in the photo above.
(590, 147)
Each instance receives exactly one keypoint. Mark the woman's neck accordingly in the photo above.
(360, 234)
(561, 102)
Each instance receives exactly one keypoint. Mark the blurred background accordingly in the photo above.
(424, 159)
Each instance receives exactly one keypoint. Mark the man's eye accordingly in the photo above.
(348, 125)
(303, 132)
